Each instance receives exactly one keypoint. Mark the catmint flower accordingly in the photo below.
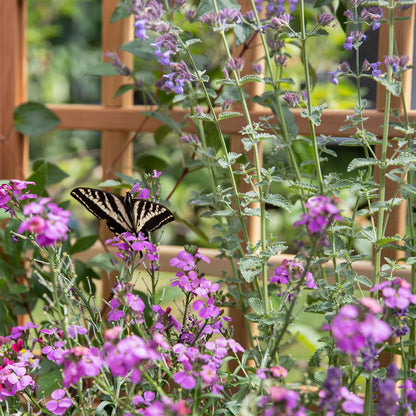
(330, 393)
(397, 63)
(190, 138)
(223, 20)
(325, 19)
(116, 62)
(282, 20)
(334, 79)
(59, 402)
(354, 39)
(372, 15)
(140, 29)
(387, 398)
(257, 68)
(226, 105)
(235, 64)
(280, 60)
(291, 98)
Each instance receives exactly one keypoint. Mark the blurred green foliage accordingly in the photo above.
(64, 42)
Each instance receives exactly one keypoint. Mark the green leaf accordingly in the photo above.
(251, 78)
(102, 69)
(250, 268)
(257, 305)
(121, 11)
(109, 183)
(123, 89)
(16, 289)
(140, 48)
(102, 261)
(364, 280)
(228, 114)
(83, 243)
(360, 163)
(149, 162)
(394, 87)
(34, 119)
(161, 132)
(278, 200)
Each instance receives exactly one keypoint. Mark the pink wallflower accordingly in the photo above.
(322, 212)
(59, 402)
(46, 220)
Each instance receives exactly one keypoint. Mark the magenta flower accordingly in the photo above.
(46, 220)
(186, 378)
(135, 302)
(322, 212)
(59, 402)
(352, 403)
(291, 270)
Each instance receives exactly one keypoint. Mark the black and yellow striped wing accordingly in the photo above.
(123, 213)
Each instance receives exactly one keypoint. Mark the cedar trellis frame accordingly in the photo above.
(117, 118)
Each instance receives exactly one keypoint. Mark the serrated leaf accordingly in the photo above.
(364, 280)
(203, 117)
(34, 119)
(257, 305)
(228, 114)
(394, 87)
(360, 163)
(250, 268)
(192, 41)
(250, 78)
(223, 213)
(278, 200)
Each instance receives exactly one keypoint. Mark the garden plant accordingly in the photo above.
(132, 354)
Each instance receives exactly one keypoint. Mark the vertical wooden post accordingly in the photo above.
(253, 223)
(14, 149)
(114, 141)
(404, 38)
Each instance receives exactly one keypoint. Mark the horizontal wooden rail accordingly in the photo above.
(98, 117)
(217, 265)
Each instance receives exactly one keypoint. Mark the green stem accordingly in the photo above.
(308, 91)
(383, 158)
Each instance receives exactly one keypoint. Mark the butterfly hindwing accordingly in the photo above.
(148, 216)
(123, 213)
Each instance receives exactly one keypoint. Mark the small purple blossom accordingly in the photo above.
(334, 79)
(322, 212)
(59, 403)
(325, 19)
(354, 39)
(330, 392)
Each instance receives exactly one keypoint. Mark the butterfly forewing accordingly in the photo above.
(123, 213)
(106, 206)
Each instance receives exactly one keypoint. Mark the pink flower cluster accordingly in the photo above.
(12, 192)
(46, 220)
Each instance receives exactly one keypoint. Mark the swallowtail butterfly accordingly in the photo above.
(123, 213)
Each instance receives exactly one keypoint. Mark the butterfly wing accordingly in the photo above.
(106, 206)
(147, 216)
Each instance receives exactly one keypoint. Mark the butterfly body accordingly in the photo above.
(123, 213)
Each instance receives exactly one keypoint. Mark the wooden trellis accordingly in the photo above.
(117, 118)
